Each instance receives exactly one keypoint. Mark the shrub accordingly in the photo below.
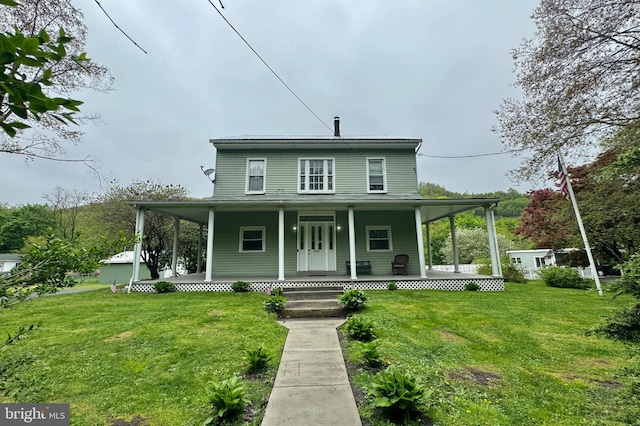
(471, 286)
(275, 291)
(257, 358)
(370, 353)
(227, 398)
(275, 304)
(623, 325)
(629, 282)
(398, 393)
(353, 300)
(557, 276)
(484, 269)
(164, 287)
(512, 274)
(359, 328)
(392, 286)
(241, 286)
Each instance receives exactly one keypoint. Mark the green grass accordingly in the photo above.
(118, 356)
(529, 341)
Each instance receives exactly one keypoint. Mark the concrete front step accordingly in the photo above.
(313, 302)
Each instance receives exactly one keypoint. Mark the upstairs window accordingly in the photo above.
(252, 239)
(376, 175)
(256, 170)
(316, 175)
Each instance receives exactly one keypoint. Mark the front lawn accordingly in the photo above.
(123, 357)
(519, 357)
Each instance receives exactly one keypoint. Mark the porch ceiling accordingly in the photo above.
(198, 210)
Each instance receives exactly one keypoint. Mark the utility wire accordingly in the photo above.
(116, 25)
(267, 65)
(469, 156)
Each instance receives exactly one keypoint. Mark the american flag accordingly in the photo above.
(562, 181)
(113, 286)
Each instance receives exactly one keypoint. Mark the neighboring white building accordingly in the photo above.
(535, 259)
(8, 261)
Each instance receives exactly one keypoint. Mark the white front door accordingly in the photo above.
(316, 246)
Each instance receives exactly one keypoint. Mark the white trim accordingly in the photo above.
(384, 176)
(325, 175)
(252, 228)
(248, 175)
(381, 227)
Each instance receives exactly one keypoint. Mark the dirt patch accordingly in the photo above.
(136, 421)
(611, 384)
(483, 378)
(451, 337)
(121, 336)
(215, 313)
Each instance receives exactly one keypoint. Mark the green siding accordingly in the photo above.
(282, 171)
(403, 236)
(122, 272)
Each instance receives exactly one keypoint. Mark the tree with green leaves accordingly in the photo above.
(118, 215)
(579, 80)
(19, 223)
(42, 64)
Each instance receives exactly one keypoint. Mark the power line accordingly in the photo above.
(116, 25)
(267, 65)
(469, 156)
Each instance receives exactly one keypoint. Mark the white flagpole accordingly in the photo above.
(587, 248)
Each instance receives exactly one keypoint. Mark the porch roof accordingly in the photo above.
(197, 210)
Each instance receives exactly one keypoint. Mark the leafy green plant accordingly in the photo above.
(257, 358)
(353, 299)
(392, 286)
(241, 286)
(629, 282)
(471, 286)
(227, 398)
(20, 333)
(512, 274)
(275, 291)
(360, 328)
(275, 304)
(398, 393)
(623, 325)
(557, 276)
(370, 353)
(164, 287)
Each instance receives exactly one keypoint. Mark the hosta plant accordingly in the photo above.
(353, 300)
(275, 304)
(257, 359)
(227, 399)
(360, 328)
(399, 394)
(371, 354)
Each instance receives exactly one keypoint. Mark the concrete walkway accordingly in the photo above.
(312, 387)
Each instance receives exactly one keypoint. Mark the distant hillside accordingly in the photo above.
(511, 205)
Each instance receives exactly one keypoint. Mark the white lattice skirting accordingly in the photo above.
(455, 284)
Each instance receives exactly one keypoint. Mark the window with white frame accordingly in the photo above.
(379, 238)
(376, 175)
(516, 260)
(256, 173)
(252, 239)
(316, 175)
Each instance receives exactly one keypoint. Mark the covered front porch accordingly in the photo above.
(435, 280)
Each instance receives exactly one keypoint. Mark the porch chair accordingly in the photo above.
(399, 264)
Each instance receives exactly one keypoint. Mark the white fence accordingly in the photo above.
(465, 269)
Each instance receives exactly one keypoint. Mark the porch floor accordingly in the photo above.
(436, 280)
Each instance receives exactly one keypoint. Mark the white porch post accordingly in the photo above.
(430, 254)
(137, 250)
(281, 244)
(209, 266)
(199, 261)
(174, 257)
(352, 244)
(418, 214)
(495, 240)
(493, 250)
(454, 243)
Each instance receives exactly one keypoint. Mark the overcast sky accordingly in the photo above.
(428, 69)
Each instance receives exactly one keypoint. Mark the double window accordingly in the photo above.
(316, 175)
(379, 238)
(376, 175)
(256, 175)
(252, 239)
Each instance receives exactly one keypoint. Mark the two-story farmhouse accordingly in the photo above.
(295, 208)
